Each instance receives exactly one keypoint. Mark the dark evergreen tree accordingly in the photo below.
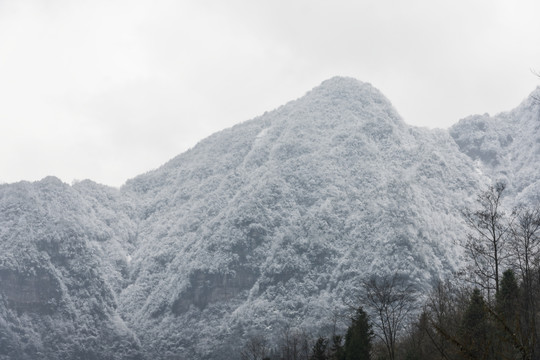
(319, 351)
(508, 298)
(359, 337)
(507, 317)
(474, 328)
(337, 352)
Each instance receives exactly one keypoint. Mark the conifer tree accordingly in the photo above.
(337, 352)
(319, 351)
(358, 338)
(474, 327)
(507, 316)
(508, 297)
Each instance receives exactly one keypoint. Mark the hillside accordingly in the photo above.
(61, 264)
(270, 224)
(506, 146)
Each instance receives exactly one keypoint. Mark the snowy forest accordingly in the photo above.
(488, 310)
(326, 228)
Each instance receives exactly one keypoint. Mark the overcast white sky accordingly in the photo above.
(108, 89)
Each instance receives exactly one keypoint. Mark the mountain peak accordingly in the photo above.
(351, 89)
(339, 97)
(343, 81)
(341, 85)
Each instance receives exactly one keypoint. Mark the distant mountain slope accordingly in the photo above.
(58, 272)
(271, 223)
(506, 146)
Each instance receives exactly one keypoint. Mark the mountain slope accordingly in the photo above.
(266, 226)
(506, 146)
(58, 277)
(276, 220)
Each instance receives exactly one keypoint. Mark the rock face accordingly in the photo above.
(38, 292)
(205, 289)
(271, 223)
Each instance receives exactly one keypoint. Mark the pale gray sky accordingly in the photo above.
(108, 89)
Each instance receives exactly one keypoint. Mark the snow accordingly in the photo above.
(505, 146)
(262, 133)
(271, 223)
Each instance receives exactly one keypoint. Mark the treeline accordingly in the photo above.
(489, 310)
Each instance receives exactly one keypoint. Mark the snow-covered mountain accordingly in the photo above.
(62, 266)
(506, 146)
(272, 223)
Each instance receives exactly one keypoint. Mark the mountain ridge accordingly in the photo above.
(306, 150)
(271, 223)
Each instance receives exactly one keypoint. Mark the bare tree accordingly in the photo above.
(256, 348)
(526, 241)
(486, 245)
(392, 301)
(295, 344)
(442, 315)
(526, 249)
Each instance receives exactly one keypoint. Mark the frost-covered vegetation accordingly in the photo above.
(60, 273)
(270, 225)
(488, 310)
